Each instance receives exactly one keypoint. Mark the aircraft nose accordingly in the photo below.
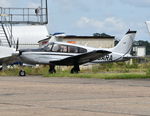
(15, 53)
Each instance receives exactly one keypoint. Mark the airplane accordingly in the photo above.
(67, 54)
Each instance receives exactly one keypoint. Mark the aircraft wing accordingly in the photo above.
(82, 58)
(9, 59)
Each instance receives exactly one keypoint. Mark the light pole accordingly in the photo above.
(46, 12)
(41, 10)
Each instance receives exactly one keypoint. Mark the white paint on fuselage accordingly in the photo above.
(47, 57)
(44, 57)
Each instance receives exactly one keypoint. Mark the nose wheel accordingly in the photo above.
(22, 73)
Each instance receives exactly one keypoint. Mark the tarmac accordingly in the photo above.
(39, 96)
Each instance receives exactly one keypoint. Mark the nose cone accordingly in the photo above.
(16, 53)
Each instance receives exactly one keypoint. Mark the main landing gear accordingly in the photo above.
(1, 68)
(52, 68)
(75, 69)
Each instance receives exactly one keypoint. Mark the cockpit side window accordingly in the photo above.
(56, 48)
(48, 48)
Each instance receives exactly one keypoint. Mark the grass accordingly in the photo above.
(100, 71)
(101, 75)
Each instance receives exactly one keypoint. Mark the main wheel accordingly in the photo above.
(74, 71)
(52, 71)
(22, 73)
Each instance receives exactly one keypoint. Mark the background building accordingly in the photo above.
(101, 41)
(92, 41)
(139, 51)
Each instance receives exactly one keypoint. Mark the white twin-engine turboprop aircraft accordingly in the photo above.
(65, 54)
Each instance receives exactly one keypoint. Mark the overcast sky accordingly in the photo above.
(85, 17)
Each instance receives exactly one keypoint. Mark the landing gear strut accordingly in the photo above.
(75, 69)
(52, 68)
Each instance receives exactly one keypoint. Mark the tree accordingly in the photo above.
(101, 35)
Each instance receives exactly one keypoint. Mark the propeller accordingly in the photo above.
(18, 52)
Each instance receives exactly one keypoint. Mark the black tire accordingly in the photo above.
(52, 71)
(73, 71)
(22, 73)
(1, 68)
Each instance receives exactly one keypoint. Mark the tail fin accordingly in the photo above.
(125, 45)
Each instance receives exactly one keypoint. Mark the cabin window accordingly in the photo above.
(82, 50)
(72, 49)
(63, 48)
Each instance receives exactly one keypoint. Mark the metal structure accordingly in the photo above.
(11, 16)
(6, 36)
(32, 16)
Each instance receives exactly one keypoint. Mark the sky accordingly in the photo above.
(85, 17)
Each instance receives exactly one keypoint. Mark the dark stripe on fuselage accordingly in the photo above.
(53, 54)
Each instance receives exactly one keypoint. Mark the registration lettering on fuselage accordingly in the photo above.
(106, 58)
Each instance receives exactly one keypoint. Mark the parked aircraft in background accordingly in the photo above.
(65, 54)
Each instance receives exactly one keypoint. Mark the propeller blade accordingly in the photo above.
(17, 45)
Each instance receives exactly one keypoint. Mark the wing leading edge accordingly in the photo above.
(82, 58)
